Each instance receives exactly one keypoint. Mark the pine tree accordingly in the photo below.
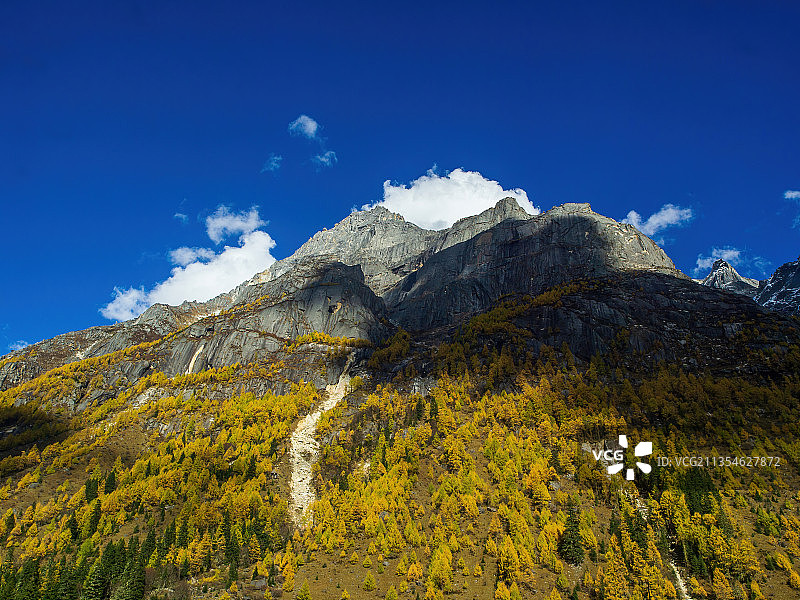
(508, 561)
(251, 468)
(501, 592)
(131, 556)
(9, 583)
(369, 582)
(697, 588)
(148, 546)
(28, 582)
(722, 589)
(305, 592)
(72, 525)
(94, 588)
(183, 535)
(111, 483)
(569, 546)
(11, 521)
(90, 490)
(50, 584)
(90, 525)
(288, 577)
(137, 581)
(67, 587)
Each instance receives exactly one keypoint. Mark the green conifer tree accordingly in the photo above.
(569, 546)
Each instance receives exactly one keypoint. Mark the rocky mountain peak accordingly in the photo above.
(724, 277)
(781, 292)
(570, 208)
(386, 246)
(720, 264)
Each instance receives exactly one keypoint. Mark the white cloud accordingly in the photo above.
(185, 255)
(304, 126)
(667, 216)
(273, 163)
(18, 345)
(326, 159)
(126, 304)
(793, 195)
(201, 273)
(223, 223)
(181, 217)
(437, 201)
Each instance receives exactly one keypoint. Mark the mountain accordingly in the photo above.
(781, 292)
(425, 278)
(429, 279)
(724, 277)
(397, 412)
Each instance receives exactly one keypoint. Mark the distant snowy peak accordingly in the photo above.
(724, 277)
(781, 292)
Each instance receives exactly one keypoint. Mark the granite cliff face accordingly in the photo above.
(156, 322)
(781, 292)
(315, 296)
(527, 255)
(724, 277)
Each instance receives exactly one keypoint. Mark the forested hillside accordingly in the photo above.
(457, 465)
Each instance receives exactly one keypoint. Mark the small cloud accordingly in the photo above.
(304, 126)
(761, 265)
(272, 164)
(126, 304)
(326, 159)
(181, 217)
(185, 255)
(223, 223)
(668, 215)
(793, 195)
(18, 345)
(436, 201)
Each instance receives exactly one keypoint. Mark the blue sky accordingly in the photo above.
(118, 116)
